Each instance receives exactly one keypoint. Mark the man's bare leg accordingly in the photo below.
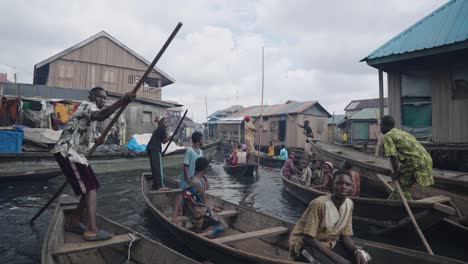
(78, 215)
(91, 203)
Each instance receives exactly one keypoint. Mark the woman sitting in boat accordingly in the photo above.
(204, 220)
(283, 153)
(271, 149)
(242, 155)
(327, 180)
(289, 170)
(323, 233)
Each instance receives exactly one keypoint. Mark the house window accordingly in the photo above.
(147, 117)
(416, 104)
(108, 76)
(132, 79)
(65, 71)
(460, 84)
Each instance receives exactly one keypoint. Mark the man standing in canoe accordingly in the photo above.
(77, 137)
(249, 136)
(154, 149)
(409, 159)
(324, 231)
(309, 136)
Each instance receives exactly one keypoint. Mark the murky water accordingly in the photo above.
(120, 200)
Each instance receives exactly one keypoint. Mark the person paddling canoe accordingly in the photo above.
(409, 159)
(77, 137)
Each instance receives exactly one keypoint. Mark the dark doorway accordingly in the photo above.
(282, 130)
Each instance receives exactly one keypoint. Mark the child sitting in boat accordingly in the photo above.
(306, 175)
(316, 172)
(326, 184)
(288, 170)
(356, 178)
(323, 233)
(203, 218)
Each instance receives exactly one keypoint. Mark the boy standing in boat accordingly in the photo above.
(205, 221)
(191, 155)
(154, 149)
(324, 231)
(409, 159)
(77, 137)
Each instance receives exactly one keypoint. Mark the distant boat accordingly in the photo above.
(30, 175)
(246, 169)
(60, 247)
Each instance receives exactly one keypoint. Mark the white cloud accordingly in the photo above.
(312, 49)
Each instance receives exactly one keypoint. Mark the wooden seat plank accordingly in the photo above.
(435, 199)
(68, 248)
(224, 214)
(164, 192)
(278, 230)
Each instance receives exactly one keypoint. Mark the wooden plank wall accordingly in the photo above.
(83, 78)
(449, 116)
(89, 62)
(394, 96)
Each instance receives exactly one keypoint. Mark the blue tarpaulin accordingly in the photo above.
(133, 145)
(11, 140)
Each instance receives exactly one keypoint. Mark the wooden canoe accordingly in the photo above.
(369, 166)
(30, 175)
(254, 237)
(384, 215)
(240, 169)
(268, 161)
(68, 248)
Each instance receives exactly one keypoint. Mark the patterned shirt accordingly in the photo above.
(323, 221)
(288, 169)
(79, 134)
(356, 177)
(413, 157)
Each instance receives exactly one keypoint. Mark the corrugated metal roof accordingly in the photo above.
(279, 109)
(365, 103)
(446, 25)
(336, 119)
(367, 114)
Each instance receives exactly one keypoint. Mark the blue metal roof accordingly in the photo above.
(446, 25)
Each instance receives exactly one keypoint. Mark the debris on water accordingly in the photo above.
(33, 198)
(45, 187)
(14, 207)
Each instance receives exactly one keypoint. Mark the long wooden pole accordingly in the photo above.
(261, 109)
(116, 117)
(177, 128)
(408, 210)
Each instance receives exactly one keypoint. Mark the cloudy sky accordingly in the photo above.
(312, 48)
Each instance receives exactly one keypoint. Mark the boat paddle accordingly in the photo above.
(177, 129)
(410, 213)
(116, 117)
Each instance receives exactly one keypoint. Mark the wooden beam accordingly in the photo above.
(164, 192)
(434, 199)
(68, 248)
(251, 235)
(444, 209)
(381, 94)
